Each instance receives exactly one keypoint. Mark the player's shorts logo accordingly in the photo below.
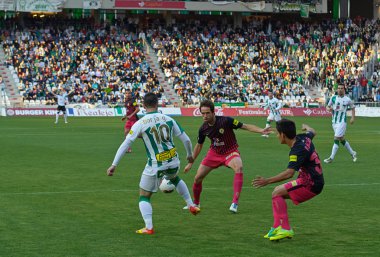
(221, 131)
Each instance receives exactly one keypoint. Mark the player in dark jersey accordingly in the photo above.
(132, 109)
(223, 149)
(309, 183)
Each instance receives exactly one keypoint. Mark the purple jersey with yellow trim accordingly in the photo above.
(221, 134)
(304, 159)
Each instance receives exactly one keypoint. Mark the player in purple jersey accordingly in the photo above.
(223, 149)
(309, 183)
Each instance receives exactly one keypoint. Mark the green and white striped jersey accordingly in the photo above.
(339, 107)
(274, 106)
(157, 130)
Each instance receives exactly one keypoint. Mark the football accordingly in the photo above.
(166, 186)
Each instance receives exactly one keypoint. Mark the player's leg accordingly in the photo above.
(183, 191)
(298, 193)
(148, 185)
(337, 137)
(235, 163)
(279, 206)
(202, 172)
(65, 115)
(281, 227)
(347, 145)
(57, 115)
(267, 124)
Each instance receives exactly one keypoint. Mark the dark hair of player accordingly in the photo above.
(287, 127)
(207, 103)
(150, 100)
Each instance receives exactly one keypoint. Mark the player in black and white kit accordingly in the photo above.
(62, 99)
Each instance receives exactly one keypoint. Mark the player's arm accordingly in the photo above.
(253, 128)
(352, 120)
(278, 106)
(131, 137)
(308, 129)
(72, 92)
(261, 181)
(197, 149)
(265, 105)
(329, 105)
(188, 146)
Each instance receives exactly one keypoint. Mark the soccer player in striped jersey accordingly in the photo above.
(338, 105)
(223, 150)
(157, 131)
(274, 106)
(302, 159)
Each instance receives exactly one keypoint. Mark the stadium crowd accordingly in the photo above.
(236, 65)
(98, 63)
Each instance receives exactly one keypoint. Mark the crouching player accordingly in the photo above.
(302, 158)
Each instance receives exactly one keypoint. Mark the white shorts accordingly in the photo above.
(150, 183)
(274, 117)
(339, 129)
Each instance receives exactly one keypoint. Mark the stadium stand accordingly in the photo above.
(300, 60)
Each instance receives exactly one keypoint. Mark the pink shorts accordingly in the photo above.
(215, 160)
(129, 124)
(298, 192)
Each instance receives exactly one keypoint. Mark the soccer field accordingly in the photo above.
(56, 200)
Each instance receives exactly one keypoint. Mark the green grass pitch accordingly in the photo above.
(56, 200)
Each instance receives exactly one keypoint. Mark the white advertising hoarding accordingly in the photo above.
(40, 5)
(7, 5)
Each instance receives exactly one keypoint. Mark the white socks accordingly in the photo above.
(348, 147)
(334, 150)
(146, 213)
(184, 192)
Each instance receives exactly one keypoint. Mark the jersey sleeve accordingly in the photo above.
(278, 104)
(135, 131)
(296, 158)
(130, 138)
(351, 103)
(234, 123)
(330, 103)
(177, 129)
(310, 135)
(201, 137)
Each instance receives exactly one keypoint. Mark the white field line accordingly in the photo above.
(135, 189)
